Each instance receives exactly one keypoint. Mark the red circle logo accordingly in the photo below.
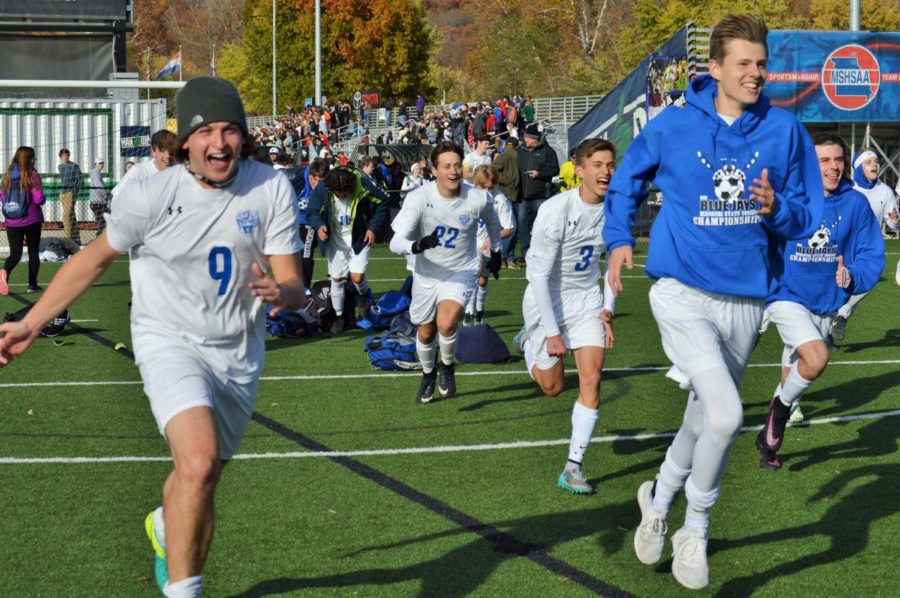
(850, 77)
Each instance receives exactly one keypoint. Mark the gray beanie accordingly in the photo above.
(205, 100)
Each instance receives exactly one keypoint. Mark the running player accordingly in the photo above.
(844, 256)
(201, 238)
(486, 177)
(439, 223)
(563, 306)
(347, 211)
(884, 205)
(713, 256)
(163, 149)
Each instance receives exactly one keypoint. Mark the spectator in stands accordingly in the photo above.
(420, 105)
(507, 164)
(275, 158)
(528, 111)
(402, 114)
(70, 182)
(388, 108)
(27, 229)
(99, 196)
(163, 149)
(538, 165)
(413, 180)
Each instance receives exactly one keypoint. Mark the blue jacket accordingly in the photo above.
(848, 228)
(707, 234)
(303, 196)
(369, 209)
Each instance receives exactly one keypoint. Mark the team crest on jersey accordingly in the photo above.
(248, 221)
(465, 219)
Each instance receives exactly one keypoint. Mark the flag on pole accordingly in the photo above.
(172, 66)
(212, 62)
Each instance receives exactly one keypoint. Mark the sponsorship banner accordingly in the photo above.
(68, 9)
(134, 142)
(824, 76)
(667, 82)
(372, 96)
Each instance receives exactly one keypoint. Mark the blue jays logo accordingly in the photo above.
(465, 219)
(248, 221)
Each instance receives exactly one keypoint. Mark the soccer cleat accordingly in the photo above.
(365, 304)
(796, 415)
(650, 536)
(573, 480)
(338, 325)
(426, 388)
(519, 340)
(447, 380)
(34, 289)
(772, 434)
(4, 285)
(162, 574)
(689, 564)
(768, 459)
(514, 265)
(838, 328)
(479, 317)
(467, 319)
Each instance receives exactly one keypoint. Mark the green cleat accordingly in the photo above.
(797, 416)
(573, 480)
(162, 574)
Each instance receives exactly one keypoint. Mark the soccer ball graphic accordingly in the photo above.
(820, 238)
(729, 182)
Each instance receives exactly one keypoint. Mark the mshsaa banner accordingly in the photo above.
(835, 76)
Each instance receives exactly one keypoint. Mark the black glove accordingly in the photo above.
(428, 242)
(494, 264)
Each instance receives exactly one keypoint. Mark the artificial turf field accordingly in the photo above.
(344, 486)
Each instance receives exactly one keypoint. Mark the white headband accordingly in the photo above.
(863, 157)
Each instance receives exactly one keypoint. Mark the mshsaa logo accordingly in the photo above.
(820, 238)
(851, 77)
(248, 221)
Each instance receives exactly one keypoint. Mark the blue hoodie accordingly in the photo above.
(303, 198)
(848, 228)
(707, 234)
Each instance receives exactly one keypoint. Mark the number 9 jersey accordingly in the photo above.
(191, 249)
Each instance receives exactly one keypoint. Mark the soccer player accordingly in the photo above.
(439, 224)
(737, 175)
(478, 157)
(563, 306)
(884, 205)
(486, 177)
(844, 256)
(347, 211)
(201, 237)
(163, 148)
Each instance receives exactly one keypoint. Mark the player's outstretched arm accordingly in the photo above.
(72, 280)
(623, 255)
(284, 289)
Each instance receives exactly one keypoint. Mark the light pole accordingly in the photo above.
(274, 66)
(318, 53)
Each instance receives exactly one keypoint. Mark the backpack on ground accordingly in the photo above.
(396, 348)
(322, 310)
(290, 324)
(480, 344)
(390, 305)
(15, 204)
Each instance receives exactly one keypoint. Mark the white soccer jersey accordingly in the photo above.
(504, 215)
(569, 232)
(456, 223)
(882, 201)
(473, 160)
(191, 251)
(139, 172)
(342, 226)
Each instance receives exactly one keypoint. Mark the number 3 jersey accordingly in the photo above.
(191, 250)
(569, 232)
(455, 221)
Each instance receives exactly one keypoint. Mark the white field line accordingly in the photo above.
(515, 372)
(423, 449)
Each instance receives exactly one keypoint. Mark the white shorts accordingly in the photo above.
(578, 319)
(176, 378)
(341, 262)
(459, 287)
(797, 326)
(702, 331)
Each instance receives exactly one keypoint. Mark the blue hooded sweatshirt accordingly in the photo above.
(707, 234)
(303, 198)
(847, 229)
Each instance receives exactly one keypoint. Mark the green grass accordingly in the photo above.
(825, 525)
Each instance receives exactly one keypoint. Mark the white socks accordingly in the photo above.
(583, 421)
(448, 347)
(426, 354)
(363, 287)
(529, 357)
(794, 386)
(186, 588)
(480, 294)
(337, 297)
